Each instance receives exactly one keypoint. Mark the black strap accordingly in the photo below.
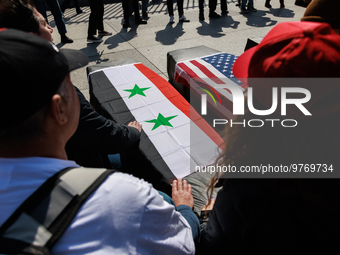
(41, 219)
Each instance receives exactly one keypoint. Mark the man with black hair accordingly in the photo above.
(96, 136)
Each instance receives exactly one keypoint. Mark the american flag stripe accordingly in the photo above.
(200, 78)
(210, 72)
(198, 75)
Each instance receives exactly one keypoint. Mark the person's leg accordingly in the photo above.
(145, 4)
(94, 21)
(201, 8)
(180, 8)
(126, 13)
(267, 4)
(92, 29)
(40, 5)
(182, 18)
(282, 4)
(100, 17)
(212, 8)
(76, 4)
(251, 6)
(64, 5)
(170, 7)
(243, 4)
(58, 18)
(136, 10)
(224, 7)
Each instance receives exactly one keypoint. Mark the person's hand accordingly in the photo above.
(182, 193)
(136, 125)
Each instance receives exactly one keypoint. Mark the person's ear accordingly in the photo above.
(33, 33)
(58, 109)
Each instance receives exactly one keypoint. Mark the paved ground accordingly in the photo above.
(150, 43)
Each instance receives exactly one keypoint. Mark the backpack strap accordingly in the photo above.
(42, 218)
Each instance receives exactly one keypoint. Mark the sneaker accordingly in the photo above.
(244, 10)
(214, 15)
(66, 39)
(201, 16)
(282, 5)
(92, 38)
(144, 14)
(268, 5)
(104, 33)
(172, 19)
(225, 12)
(183, 19)
(141, 21)
(252, 9)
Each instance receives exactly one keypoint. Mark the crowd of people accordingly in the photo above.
(49, 127)
(129, 7)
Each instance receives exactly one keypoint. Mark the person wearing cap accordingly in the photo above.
(39, 113)
(255, 213)
(96, 136)
(324, 11)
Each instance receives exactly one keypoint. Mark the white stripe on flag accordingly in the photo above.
(208, 80)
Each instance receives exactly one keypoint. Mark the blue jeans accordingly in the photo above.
(115, 161)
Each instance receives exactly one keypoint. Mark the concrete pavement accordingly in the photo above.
(150, 43)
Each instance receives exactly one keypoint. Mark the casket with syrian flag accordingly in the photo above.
(175, 139)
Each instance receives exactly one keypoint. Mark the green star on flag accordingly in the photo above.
(136, 91)
(161, 121)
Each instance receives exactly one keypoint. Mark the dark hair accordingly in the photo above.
(25, 130)
(18, 14)
(30, 128)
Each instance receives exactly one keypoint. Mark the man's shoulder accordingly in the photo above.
(128, 183)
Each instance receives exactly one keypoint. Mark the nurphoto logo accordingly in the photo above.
(238, 102)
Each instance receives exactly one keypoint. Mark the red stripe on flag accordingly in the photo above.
(207, 72)
(166, 88)
(179, 101)
(198, 79)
